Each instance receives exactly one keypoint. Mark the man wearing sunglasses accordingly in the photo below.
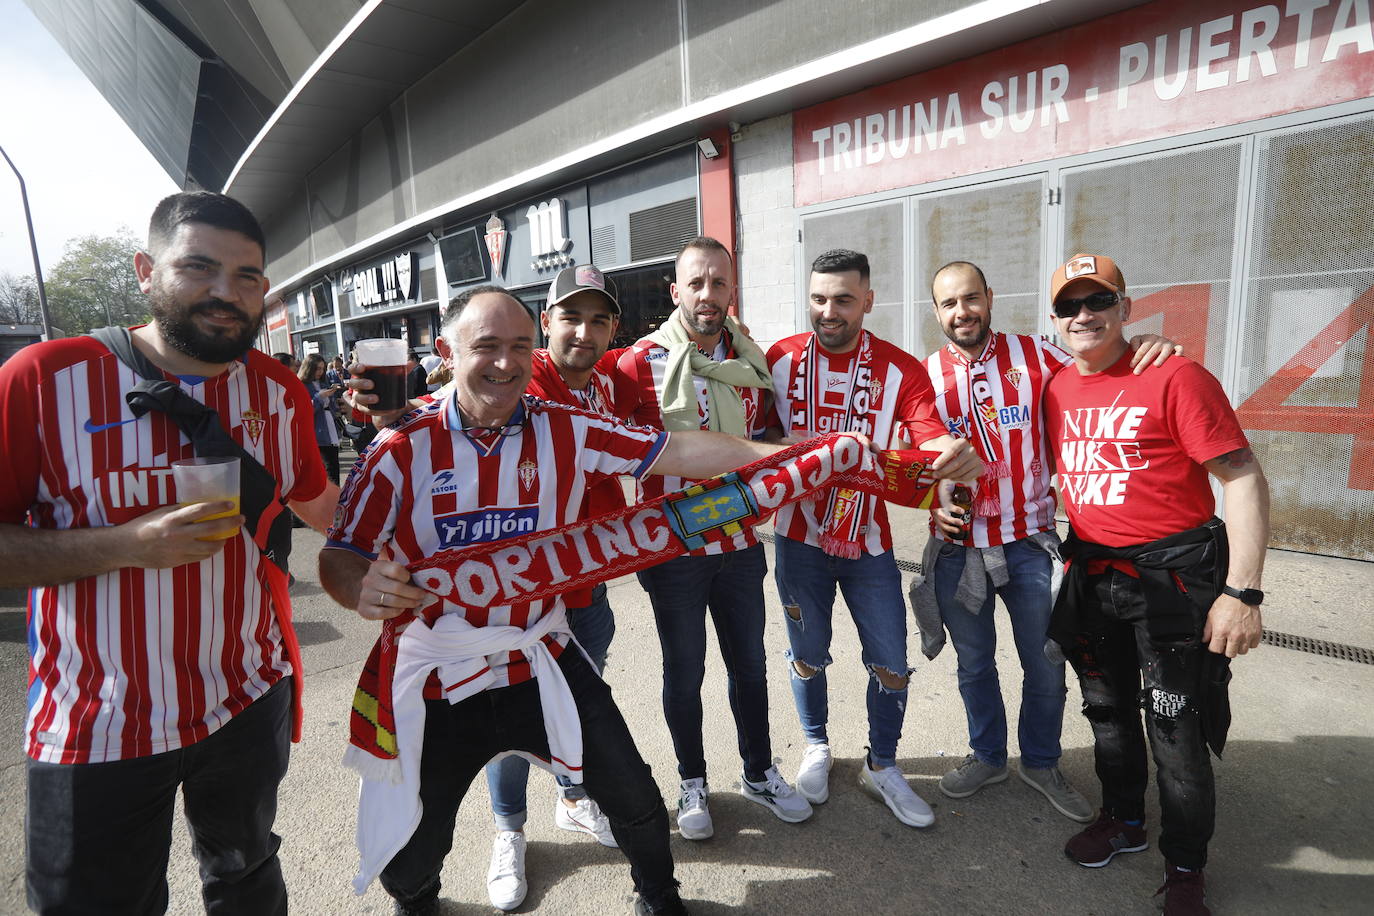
(989, 388)
(1153, 590)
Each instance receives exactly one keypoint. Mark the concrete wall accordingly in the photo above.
(767, 229)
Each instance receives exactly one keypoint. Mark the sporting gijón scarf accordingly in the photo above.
(846, 508)
(984, 428)
(544, 564)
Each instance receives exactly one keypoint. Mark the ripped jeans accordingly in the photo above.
(1113, 656)
(872, 587)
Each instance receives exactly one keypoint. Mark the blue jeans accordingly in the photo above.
(594, 627)
(1027, 599)
(460, 738)
(872, 588)
(99, 834)
(731, 586)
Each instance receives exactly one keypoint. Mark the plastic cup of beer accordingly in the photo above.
(204, 480)
(385, 359)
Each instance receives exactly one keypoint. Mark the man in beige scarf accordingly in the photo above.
(699, 371)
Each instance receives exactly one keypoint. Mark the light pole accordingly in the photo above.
(108, 321)
(33, 246)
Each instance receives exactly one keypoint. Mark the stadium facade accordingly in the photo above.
(1222, 152)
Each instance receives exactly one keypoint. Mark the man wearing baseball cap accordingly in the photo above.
(579, 323)
(1153, 590)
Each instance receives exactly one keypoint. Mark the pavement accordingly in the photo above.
(1295, 796)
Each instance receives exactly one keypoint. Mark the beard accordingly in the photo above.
(220, 345)
(706, 327)
(971, 336)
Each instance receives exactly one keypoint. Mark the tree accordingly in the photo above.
(19, 300)
(93, 285)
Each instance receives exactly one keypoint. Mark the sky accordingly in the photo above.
(86, 173)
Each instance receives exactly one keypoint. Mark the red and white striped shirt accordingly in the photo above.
(424, 486)
(644, 365)
(902, 408)
(140, 661)
(599, 398)
(1020, 367)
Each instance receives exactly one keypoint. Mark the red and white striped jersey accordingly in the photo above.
(140, 661)
(644, 365)
(902, 408)
(1020, 367)
(424, 486)
(599, 397)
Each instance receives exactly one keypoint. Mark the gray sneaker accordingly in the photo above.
(1065, 798)
(970, 776)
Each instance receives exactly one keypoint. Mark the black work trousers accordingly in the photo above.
(1122, 669)
(460, 738)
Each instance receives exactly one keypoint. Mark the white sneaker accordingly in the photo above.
(890, 786)
(586, 818)
(506, 878)
(813, 776)
(693, 817)
(777, 796)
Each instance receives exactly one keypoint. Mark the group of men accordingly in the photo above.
(165, 658)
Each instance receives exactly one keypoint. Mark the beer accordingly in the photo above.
(962, 497)
(389, 385)
(232, 512)
(208, 480)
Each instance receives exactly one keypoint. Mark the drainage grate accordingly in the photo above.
(1270, 637)
(1318, 647)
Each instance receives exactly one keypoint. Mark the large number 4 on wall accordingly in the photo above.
(1265, 409)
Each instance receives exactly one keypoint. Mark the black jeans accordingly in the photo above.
(731, 586)
(98, 834)
(459, 740)
(1117, 653)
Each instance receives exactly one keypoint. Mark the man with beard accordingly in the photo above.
(579, 322)
(989, 389)
(699, 371)
(161, 649)
(840, 377)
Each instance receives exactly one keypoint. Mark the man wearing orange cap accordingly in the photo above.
(1153, 590)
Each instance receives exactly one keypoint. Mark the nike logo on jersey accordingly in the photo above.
(92, 427)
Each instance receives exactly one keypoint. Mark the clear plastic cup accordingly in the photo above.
(385, 362)
(203, 480)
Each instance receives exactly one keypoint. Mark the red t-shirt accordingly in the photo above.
(1130, 448)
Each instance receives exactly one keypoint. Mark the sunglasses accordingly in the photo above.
(1097, 302)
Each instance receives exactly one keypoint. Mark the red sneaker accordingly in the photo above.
(1183, 892)
(1103, 839)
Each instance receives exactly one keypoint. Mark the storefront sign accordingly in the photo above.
(396, 279)
(549, 242)
(1158, 70)
(495, 238)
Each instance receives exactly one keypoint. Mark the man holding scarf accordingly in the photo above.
(699, 371)
(579, 322)
(840, 377)
(989, 388)
(483, 463)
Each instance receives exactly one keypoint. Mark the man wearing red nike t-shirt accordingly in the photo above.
(1150, 592)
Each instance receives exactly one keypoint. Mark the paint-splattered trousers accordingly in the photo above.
(1123, 670)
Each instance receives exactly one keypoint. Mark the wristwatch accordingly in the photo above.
(1251, 596)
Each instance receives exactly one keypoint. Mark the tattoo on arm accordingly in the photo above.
(1238, 458)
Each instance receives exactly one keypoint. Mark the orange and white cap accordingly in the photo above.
(1098, 268)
